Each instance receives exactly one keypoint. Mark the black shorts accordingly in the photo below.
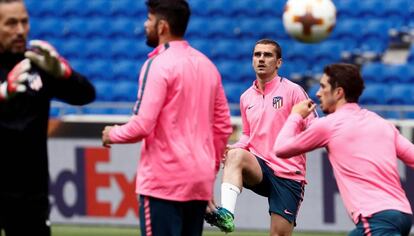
(284, 195)
(164, 217)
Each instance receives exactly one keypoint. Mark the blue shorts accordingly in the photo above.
(389, 222)
(164, 217)
(284, 195)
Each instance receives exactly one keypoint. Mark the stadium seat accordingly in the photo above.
(233, 91)
(97, 27)
(348, 8)
(203, 45)
(96, 8)
(99, 69)
(400, 94)
(74, 27)
(47, 27)
(104, 90)
(129, 49)
(125, 91)
(312, 90)
(72, 8)
(373, 73)
(74, 48)
(197, 27)
(123, 28)
(220, 27)
(374, 94)
(227, 70)
(397, 73)
(125, 70)
(127, 8)
(97, 48)
(372, 8)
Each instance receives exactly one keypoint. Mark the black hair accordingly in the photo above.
(175, 12)
(348, 77)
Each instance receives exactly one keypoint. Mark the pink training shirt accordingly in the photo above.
(183, 118)
(363, 150)
(263, 115)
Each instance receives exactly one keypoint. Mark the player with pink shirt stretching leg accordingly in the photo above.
(363, 150)
(250, 162)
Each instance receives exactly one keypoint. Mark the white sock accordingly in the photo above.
(229, 193)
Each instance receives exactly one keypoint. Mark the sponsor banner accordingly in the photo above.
(90, 184)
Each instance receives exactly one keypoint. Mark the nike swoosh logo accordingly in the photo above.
(250, 106)
(288, 212)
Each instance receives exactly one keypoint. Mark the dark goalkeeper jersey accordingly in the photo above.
(24, 123)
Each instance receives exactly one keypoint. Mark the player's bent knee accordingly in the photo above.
(238, 156)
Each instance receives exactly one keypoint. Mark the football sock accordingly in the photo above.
(229, 193)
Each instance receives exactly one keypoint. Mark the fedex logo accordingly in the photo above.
(88, 183)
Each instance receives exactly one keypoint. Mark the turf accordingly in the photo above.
(60, 230)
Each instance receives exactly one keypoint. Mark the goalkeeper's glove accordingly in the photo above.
(46, 57)
(16, 79)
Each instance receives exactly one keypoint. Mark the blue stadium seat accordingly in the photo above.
(273, 8)
(104, 90)
(74, 27)
(397, 73)
(400, 94)
(97, 48)
(125, 91)
(372, 8)
(123, 28)
(220, 27)
(220, 50)
(347, 8)
(97, 27)
(312, 90)
(197, 27)
(374, 94)
(124, 49)
(203, 45)
(373, 73)
(330, 50)
(376, 28)
(48, 8)
(74, 48)
(411, 54)
(227, 70)
(97, 7)
(127, 8)
(233, 91)
(125, 70)
(48, 27)
(72, 8)
(98, 69)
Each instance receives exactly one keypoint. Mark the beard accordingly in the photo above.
(152, 40)
(152, 37)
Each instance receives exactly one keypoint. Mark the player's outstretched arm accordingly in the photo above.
(64, 83)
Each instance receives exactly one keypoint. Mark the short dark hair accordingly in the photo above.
(348, 77)
(278, 49)
(175, 12)
(9, 1)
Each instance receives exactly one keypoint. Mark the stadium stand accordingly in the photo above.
(105, 40)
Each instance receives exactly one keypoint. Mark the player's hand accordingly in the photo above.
(223, 159)
(106, 141)
(15, 80)
(47, 58)
(211, 206)
(304, 108)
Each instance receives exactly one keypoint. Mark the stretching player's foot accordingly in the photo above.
(222, 218)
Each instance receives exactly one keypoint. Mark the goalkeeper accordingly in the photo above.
(29, 79)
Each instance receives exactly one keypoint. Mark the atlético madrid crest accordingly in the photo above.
(277, 102)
